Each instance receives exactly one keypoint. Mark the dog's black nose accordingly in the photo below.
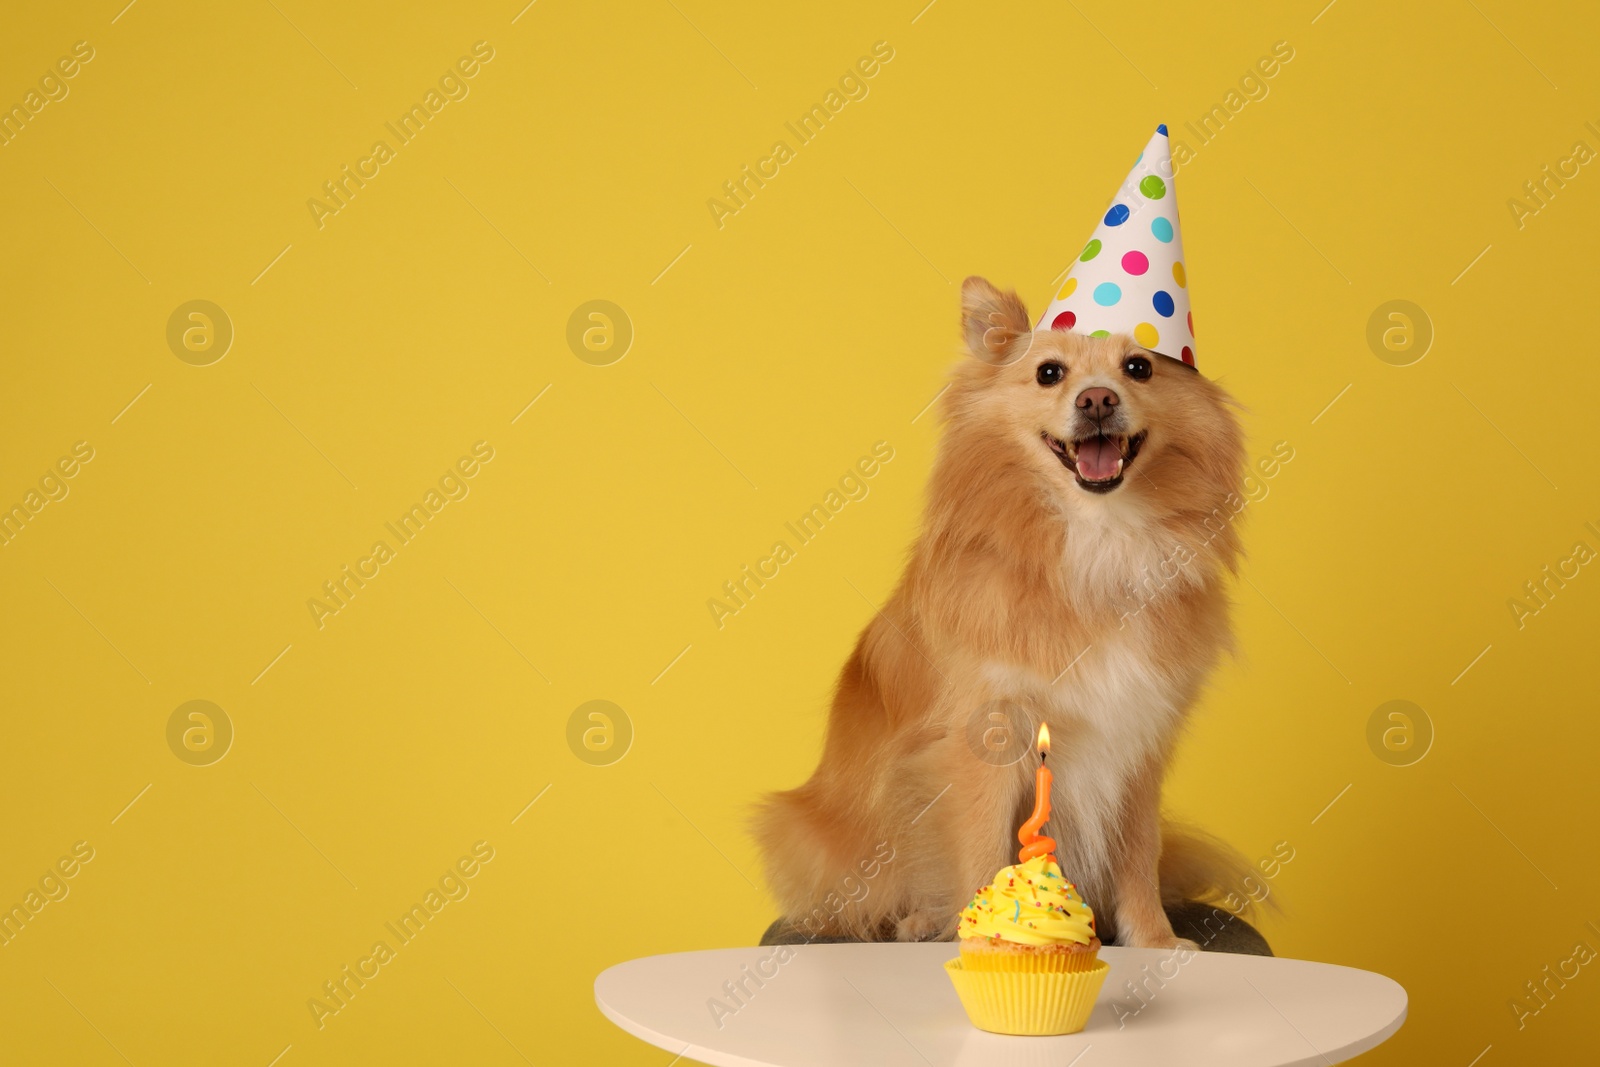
(1097, 403)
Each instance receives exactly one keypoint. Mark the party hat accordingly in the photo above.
(1130, 277)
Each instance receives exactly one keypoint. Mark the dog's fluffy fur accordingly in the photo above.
(1034, 585)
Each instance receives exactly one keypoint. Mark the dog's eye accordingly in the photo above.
(1136, 367)
(1050, 373)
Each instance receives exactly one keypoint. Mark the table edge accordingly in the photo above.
(728, 1059)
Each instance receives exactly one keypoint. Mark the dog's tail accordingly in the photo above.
(1197, 866)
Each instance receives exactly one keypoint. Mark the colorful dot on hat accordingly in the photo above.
(1162, 230)
(1117, 215)
(1153, 187)
(1107, 293)
(1162, 129)
(1064, 321)
(1090, 250)
(1188, 355)
(1162, 302)
(1135, 263)
(1067, 288)
(1101, 333)
(1177, 274)
(1191, 324)
(1146, 335)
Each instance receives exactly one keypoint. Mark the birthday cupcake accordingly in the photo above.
(1029, 960)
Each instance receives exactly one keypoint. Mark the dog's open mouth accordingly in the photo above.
(1098, 462)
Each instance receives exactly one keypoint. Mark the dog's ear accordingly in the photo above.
(992, 321)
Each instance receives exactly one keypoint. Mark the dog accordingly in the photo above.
(1070, 570)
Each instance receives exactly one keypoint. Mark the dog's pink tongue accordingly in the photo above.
(1098, 459)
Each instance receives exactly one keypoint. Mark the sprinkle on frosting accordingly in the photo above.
(1046, 908)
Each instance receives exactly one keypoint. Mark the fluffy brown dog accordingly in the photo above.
(1071, 565)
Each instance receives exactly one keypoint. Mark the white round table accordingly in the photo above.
(890, 1004)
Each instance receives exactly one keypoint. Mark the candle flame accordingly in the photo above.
(1044, 739)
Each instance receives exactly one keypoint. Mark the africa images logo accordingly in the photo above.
(407, 127)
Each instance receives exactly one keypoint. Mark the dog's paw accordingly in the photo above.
(923, 926)
(1164, 941)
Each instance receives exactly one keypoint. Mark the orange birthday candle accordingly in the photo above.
(1033, 842)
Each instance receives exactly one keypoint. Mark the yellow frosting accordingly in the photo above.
(1029, 904)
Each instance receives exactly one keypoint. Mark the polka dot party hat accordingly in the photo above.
(1130, 278)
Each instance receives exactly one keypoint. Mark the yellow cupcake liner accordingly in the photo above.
(981, 959)
(1031, 1003)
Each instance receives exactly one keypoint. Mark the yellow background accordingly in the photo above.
(775, 350)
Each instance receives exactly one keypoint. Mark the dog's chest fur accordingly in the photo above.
(1116, 709)
(1109, 715)
(1113, 706)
